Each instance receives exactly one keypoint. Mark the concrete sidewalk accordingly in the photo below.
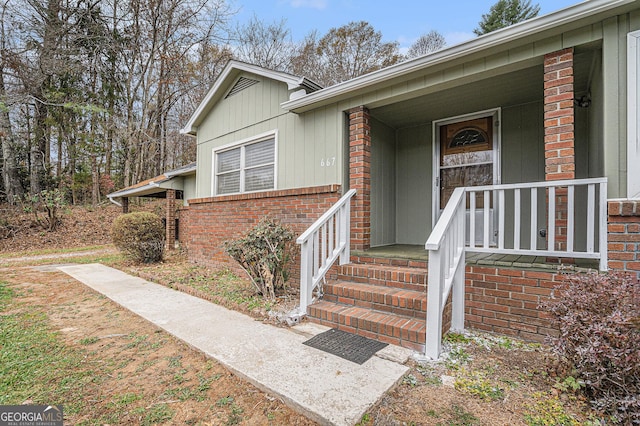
(324, 387)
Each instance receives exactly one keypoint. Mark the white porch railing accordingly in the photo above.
(321, 245)
(446, 271)
(515, 205)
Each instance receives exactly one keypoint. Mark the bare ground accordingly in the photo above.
(140, 366)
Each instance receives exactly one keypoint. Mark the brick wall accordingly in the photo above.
(624, 236)
(360, 177)
(182, 214)
(212, 221)
(559, 133)
(505, 301)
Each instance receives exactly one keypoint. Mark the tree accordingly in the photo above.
(350, 51)
(505, 13)
(427, 43)
(265, 45)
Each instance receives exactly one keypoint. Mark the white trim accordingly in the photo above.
(272, 134)
(523, 30)
(633, 114)
(233, 68)
(496, 113)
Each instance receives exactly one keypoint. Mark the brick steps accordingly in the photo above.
(386, 299)
(389, 328)
(406, 277)
(379, 298)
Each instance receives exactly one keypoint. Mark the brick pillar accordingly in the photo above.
(125, 205)
(559, 151)
(360, 177)
(171, 219)
(624, 236)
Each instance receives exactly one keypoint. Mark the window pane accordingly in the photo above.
(228, 183)
(259, 178)
(229, 160)
(259, 153)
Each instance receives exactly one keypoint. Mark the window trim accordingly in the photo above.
(273, 134)
(633, 112)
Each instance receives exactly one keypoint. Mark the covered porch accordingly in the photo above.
(539, 121)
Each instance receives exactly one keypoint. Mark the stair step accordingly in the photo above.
(399, 301)
(398, 330)
(390, 261)
(406, 277)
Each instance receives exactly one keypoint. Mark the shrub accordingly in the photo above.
(139, 236)
(48, 202)
(598, 316)
(264, 253)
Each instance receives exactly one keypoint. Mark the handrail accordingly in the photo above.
(560, 202)
(447, 242)
(446, 271)
(326, 240)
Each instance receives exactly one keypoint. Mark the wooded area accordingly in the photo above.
(93, 92)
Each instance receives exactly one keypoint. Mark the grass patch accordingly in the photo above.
(42, 252)
(34, 363)
(547, 410)
(475, 383)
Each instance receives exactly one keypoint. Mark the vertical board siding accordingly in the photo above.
(303, 140)
(383, 184)
(413, 184)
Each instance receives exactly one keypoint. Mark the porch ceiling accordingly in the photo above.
(518, 87)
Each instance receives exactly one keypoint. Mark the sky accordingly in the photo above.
(401, 20)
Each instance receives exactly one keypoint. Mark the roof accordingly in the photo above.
(521, 31)
(230, 72)
(154, 185)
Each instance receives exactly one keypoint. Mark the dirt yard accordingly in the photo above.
(122, 370)
(133, 372)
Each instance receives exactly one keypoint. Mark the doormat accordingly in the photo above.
(349, 346)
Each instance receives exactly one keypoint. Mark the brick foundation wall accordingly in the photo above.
(182, 214)
(212, 221)
(505, 301)
(624, 236)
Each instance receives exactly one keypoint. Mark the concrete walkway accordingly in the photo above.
(324, 387)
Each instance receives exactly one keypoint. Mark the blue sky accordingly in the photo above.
(402, 20)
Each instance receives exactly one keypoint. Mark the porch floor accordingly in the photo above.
(418, 252)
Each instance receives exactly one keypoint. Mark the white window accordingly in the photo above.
(247, 166)
(633, 111)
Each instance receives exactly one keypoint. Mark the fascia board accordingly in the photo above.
(494, 39)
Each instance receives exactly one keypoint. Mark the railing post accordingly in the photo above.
(603, 231)
(306, 276)
(434, 305)
(345, 255)
(458, 289)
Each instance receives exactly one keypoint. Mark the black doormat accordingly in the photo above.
(349, 346)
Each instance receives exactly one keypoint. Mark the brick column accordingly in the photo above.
(125, 205)
(624, 236)
(559, 151)
(171, 219)
(360, 177)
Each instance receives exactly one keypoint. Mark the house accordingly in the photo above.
(508, 153)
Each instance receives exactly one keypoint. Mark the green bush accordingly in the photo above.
(139, 236)
(264, 254)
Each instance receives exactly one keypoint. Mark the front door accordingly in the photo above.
(467, 155)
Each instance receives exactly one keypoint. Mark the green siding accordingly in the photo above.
(413, 184)
(189, 188)
(309, 145)
(383, 184)
(522, 150)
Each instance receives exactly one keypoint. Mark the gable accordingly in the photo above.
(248, 100)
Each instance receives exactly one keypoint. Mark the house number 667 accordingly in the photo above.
(329, 162)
